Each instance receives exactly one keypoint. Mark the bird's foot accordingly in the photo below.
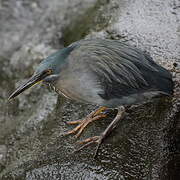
(92, 140)
(99, 139)
(93, 116)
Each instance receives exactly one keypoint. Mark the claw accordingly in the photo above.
(83, 123)
(87, 142)
(106, 132)
(98, 114)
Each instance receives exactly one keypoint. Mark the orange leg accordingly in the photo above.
(99, 139)
(93, 116)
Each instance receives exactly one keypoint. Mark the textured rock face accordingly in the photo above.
(145, 145)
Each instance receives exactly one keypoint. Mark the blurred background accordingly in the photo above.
(145, 145)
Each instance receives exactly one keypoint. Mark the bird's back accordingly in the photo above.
(123, 74)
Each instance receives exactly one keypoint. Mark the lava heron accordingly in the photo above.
(107, 73)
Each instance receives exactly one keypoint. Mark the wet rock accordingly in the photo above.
(3, 152)
(144, 146)
(36, 21)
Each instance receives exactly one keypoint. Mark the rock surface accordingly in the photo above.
(145, 145)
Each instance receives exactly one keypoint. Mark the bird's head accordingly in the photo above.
(48, 71)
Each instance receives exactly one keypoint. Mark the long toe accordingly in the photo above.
(82, 124)
(104, 134)
(93, 139)
(74, 122)
(86, 142)
(73, 131)
(89, 141)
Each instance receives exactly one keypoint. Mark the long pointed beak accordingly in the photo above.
(37, 78)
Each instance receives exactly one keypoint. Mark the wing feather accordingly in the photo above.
(119, 68)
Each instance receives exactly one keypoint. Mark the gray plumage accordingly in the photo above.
(110, 73)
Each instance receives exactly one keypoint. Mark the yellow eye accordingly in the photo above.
(49, 71)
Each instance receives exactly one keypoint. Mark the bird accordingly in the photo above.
(108, 73)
